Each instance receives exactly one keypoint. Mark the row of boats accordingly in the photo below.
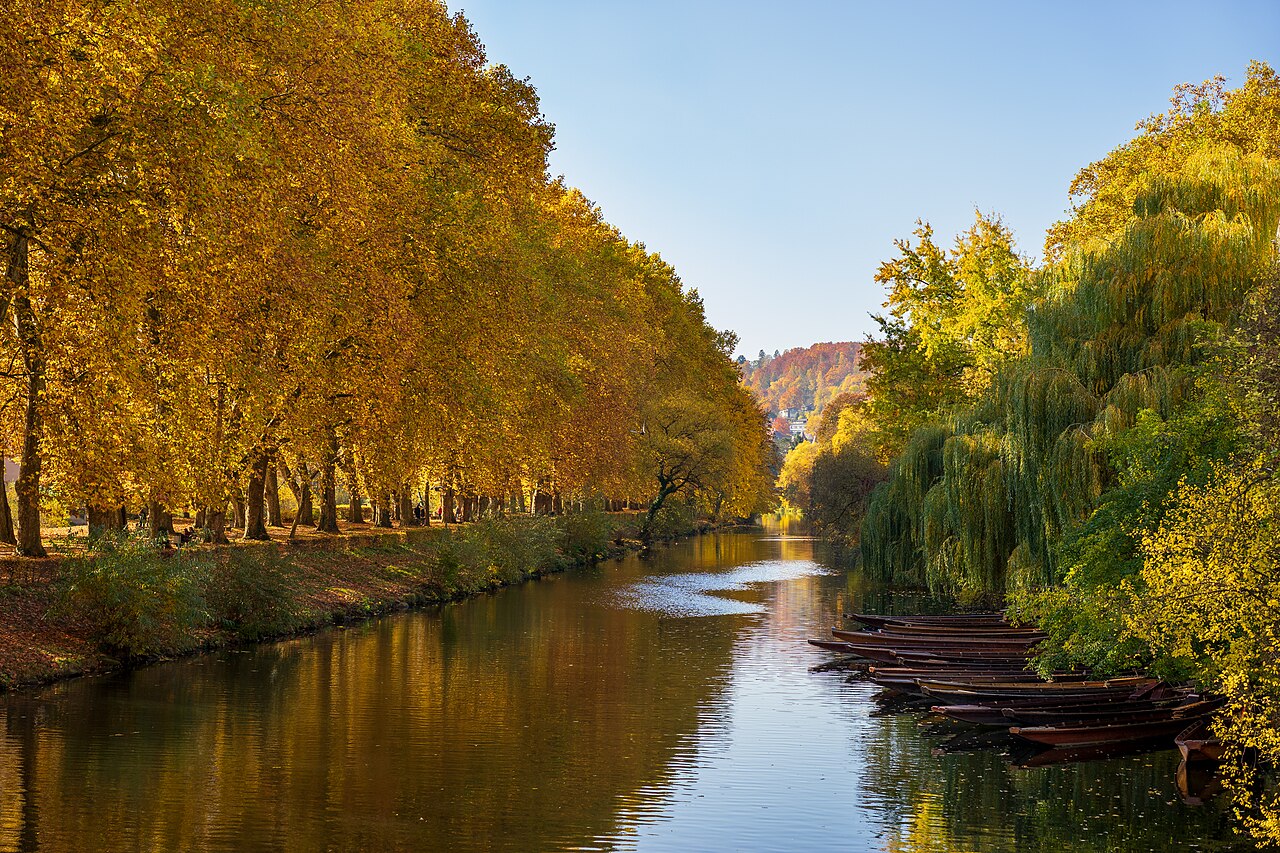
(974, 668)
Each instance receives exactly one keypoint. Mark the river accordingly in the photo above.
(656, 705)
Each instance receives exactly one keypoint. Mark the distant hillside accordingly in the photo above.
(804, 377)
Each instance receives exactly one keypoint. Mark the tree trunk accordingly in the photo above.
(646, 530)
(407, 518)
(255, 498)
(382, 511)
(447, 513)
(6, 516)
(272, 492)
(159, 519)
(541, 503)
(101, 520)
(355, 510)
(216, 523)
(306, 511)
(28, 484)
(328, 522)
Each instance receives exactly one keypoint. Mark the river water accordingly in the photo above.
(652, 705)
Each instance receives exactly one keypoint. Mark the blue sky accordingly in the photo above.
(773, 151)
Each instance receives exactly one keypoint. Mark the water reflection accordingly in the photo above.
(660, 704)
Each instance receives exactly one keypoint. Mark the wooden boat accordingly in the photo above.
(940, 631)
(946, 673)
(935, 664)
(979, 620)
(973, 694)
(1094, 735)
(962, 655)
(1075, 737)
(1054, 687)
(911, 681)
(832, 645)
(876, 653)
(1198, 782)
(1197, 743)
(1085, 716)
(876, 638)
(978, 715)
(1120, 701)
(996, 714)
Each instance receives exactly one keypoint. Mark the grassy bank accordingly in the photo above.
(125, 601)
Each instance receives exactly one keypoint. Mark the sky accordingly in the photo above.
(772, 152)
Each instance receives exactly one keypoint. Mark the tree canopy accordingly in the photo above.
(321, 238)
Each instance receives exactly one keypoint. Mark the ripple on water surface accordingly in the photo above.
(692, 594)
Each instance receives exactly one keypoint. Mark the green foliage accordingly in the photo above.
(841, 483)
(586, 535)
(514, 548)
(675, 518)
(1123, 329)
(253, 592)
(497, 551)
(140, 601)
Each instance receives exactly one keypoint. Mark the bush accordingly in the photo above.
(673, 519)
(513, 548)
(458, 559)
(138, 600)
(586, 535)
(253, 592)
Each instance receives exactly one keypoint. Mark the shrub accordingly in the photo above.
(253, 592)
(512, 548)
(587, 534)
(458, 560)
(138, 600)
(673, 519)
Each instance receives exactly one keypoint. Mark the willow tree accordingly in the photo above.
(1119, 331)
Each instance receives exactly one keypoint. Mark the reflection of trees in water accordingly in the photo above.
(517, 721)
(976, 801)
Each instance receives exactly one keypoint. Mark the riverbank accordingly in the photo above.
(130, 604)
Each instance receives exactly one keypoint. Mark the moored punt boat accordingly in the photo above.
(979, 715)
(1089, 716)
(890, 654)
(972, 694)
(997, 713)
(1197, 743)
(912, 658)
(911, 681)
(1198, 782)
(1095, 735)
(877, 638)
(876, 653)
(979, 620)
(833, 645)
(940, 631)
(1075, 737)
(1054, 687)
